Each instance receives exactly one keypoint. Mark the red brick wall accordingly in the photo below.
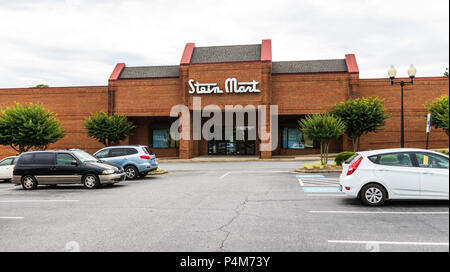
(146, 97)
(309, 93)
(71, 104)
(424, 90)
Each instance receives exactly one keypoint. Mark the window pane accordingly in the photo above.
(131, 151)
(117, 152)
(428, 160)
(44, 158)
(26, 159)
(102, 154)
(373, 159)
(161, 138)
(65, 159)
(295, 139)
(285, 132)
(396, 159)
(6, 162)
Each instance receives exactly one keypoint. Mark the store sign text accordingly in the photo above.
(232, 85)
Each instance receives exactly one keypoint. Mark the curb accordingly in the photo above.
(157, 173)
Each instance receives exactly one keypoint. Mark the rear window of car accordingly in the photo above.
(147, 150)
(26, 159)
(37, 158)
(44, 158)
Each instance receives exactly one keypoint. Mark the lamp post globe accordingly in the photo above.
(392, 72)
(412, 72)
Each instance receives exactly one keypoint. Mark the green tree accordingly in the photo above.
(108, 130)
(28, 126)
(439, 112)
(322, 128)
(446, 72)
(40, 86)
(361, 116)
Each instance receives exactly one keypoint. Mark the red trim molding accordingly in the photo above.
(352, 65)
(187, 54)
(117, 70)
(266, 50)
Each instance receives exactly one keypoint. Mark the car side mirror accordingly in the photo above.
(74, 163)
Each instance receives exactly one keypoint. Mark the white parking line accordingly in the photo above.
(368, 212)
(387, 243)
(226, 174)
(36, 200)
(9, 217)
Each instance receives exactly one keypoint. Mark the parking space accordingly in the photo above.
(245, 206)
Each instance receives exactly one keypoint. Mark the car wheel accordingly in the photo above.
(373, 195)
(131, 172)
(29, 182)
(90, 181)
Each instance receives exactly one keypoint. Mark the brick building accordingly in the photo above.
(147, 94)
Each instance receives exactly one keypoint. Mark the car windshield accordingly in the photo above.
(84, 156)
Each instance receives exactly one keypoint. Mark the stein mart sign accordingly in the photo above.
(232, 85)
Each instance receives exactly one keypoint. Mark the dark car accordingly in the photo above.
(72, 166)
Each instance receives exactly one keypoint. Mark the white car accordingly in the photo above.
(403, 173)
(7, 167)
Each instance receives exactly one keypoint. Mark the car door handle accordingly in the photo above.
(427, 173)
(383, 169)
(53, 168)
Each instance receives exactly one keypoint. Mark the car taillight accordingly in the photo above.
(352, 168)
(145, 157)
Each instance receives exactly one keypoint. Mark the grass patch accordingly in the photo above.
(157, 170)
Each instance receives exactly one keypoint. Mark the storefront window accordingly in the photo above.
(161, 139)
(294, 139)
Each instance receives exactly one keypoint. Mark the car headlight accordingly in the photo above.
(108, 172)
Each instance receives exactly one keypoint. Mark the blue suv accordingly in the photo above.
(136, 160)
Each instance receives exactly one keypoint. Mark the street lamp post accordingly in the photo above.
(392, 72)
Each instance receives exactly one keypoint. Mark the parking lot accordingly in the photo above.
(233, 206)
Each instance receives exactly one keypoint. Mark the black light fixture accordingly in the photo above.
(392, 72)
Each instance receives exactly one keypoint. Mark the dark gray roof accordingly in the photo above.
(226, 53)
(309, 66)
(150, 72)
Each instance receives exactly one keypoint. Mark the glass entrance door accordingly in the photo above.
(233, 146)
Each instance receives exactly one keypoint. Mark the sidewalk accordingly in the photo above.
(314, 157)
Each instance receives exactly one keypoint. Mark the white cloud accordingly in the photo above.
(78, 42)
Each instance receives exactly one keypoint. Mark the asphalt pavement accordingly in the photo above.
(231, 206)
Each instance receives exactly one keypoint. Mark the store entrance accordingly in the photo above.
(233, 146)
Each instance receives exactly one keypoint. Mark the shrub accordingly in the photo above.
(322, 128)
(342, 157)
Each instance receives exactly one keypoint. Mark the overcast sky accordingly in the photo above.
(78, 42)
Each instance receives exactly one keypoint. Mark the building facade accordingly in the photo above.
(229, 76)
